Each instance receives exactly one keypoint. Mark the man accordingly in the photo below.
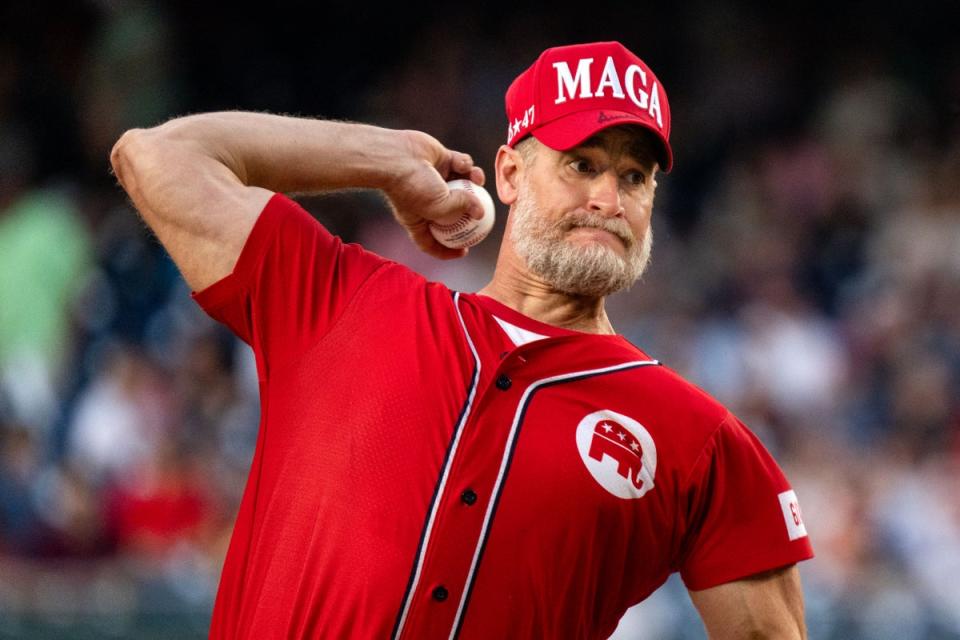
(436, 464)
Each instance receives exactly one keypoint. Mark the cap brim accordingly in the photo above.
(570, 130)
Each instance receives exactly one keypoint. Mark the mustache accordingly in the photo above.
(616, 226)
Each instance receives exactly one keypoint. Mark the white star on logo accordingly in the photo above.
(516, 126)
(607, 428)
(622, 435)
(635, 446)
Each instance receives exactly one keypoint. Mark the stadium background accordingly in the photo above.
(806, 272)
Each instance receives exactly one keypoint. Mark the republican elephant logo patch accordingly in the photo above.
(618, 452)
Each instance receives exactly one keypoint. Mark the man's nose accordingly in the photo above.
(605, 195)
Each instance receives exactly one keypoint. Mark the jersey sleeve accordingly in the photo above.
(743, 518)
(292, 281)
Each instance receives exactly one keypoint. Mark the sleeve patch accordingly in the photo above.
(792, 515)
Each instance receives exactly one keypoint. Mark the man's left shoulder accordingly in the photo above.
(666, 386)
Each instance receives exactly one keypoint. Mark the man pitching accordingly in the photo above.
(437, 464)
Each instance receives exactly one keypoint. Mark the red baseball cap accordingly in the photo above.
(572, 92)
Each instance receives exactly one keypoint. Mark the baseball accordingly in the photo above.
(466, 231)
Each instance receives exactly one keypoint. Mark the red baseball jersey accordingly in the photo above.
(420, 474)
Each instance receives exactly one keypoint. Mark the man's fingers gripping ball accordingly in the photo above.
(462, 166)
(473, 223)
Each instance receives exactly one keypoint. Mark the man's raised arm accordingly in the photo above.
(201, 181)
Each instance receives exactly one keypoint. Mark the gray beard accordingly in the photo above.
(594, 270)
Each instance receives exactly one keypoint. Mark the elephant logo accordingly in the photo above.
(618, 452)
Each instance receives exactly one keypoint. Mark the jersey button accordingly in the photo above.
(440, 593)
(468, 497)
(503, 382)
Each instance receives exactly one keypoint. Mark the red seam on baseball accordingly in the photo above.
(453, 226)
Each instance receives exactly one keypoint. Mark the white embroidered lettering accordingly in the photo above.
(566, 81)
(639, 96)
(610, 78)
(655, 105)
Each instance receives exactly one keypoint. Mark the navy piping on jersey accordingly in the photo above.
(417, 568)
(512, 439)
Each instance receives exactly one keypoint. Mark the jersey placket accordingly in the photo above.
(463, 511)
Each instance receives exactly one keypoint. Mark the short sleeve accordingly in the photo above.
(743, 518)
(291, 282)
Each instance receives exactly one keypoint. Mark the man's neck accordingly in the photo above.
(537, 300)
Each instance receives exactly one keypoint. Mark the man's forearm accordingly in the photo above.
(289, 154)
(200, 181)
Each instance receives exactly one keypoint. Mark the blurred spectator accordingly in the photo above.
(160, 504)
(19, 470)
(44, 251)
(122, 417)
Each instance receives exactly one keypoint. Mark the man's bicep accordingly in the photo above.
(766, 605)
(199, 210)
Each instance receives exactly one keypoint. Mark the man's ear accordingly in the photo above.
(508, 168)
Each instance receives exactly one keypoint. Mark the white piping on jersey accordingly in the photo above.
(508, 447)
(425, 544)
(518, 335)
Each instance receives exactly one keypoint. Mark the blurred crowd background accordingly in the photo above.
(806, 272)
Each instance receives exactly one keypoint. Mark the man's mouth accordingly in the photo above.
(624, 238)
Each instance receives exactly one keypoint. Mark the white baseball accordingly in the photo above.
(466, 231)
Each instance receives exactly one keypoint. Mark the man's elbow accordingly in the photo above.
(123, 158)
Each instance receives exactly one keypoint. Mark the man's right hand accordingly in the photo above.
(419, 193)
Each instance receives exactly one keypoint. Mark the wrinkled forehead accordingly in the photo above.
(634, 141)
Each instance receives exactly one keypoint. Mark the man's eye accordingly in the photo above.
(581, 166)
(636, 178)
